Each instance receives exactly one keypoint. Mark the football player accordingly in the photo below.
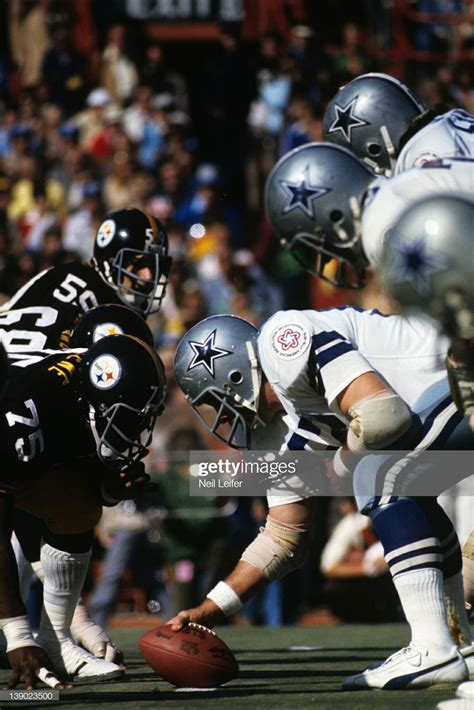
(325, 203)
(101, 404)
(130, 266)
(109, 319)
(427, 265)
(385, 124)
(342, 362)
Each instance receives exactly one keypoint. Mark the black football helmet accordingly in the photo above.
(131, 255)
(369, 115)
(109, 319)
(313, 199)
(122, 383)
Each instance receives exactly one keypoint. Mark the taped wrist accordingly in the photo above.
(279, 548)
(226, 599)
(377, 422)
(340, 467)
(461, 384)
(17, 632)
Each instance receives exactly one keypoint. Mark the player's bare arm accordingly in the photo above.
(279, 548)
(26, 657)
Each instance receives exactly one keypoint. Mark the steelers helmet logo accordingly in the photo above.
(105, 233)
(105, 372)
(104, 329)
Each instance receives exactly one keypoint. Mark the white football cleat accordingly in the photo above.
(468, 654)
(455, 704)
(466, 690)
(73, 662)
(411, 667)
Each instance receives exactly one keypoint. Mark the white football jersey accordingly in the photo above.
(310, 357)
(449, 135)
(388, 198)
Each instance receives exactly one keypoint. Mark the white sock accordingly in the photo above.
(64, 574)
(456, 611)
(422, 596)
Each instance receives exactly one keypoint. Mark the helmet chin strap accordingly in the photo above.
(390, 149)
(256, 376)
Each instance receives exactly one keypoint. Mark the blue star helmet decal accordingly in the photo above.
(346, 120)
(301, 194)
(415, 264)
(206, 353)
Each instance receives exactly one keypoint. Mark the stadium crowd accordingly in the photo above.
(95, 117)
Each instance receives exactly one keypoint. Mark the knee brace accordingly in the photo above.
(377, 422)
(279, 548)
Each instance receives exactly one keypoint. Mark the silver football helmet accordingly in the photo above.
(369, 115)
(313, 198)
(216, 366)
(428, 262)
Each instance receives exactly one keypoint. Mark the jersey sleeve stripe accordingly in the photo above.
(332, 353)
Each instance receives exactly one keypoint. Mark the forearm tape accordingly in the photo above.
(279, 548)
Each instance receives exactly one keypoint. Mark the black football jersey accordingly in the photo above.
(41, 420)
(40, 316)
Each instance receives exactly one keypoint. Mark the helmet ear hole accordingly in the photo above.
(374, 149)
(336, 216)
(236, 377)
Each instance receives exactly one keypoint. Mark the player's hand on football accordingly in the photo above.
(30, 664)
(207, 613)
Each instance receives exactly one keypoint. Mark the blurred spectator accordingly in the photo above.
(63, 70)
(359, 587)
(306, 125)
(193, 529)
(207, 202)
(92, 121)
(137, 114)
(118, 73)
(351, 58)
(53, 252)
(160, 80)
(29, 20)
(81, 226)
(122, 533)
(37, 221)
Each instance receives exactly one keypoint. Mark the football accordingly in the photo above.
(194, 657)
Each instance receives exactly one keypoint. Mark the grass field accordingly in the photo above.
(272, 673)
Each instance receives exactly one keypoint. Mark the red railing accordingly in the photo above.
(402, 50)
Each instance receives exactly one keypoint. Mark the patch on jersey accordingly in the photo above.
(105, 372)
(105, 233)
(289, 341)
(104, 329)
(425, 158)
